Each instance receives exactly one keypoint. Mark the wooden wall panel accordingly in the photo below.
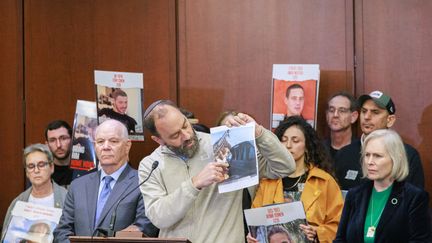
(227, 49)
(11, 122)
(395, 56)
(65, 41)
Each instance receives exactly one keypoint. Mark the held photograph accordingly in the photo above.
(236, 146)
(119, 96)
(83, 156)
(294, 92)
(277, 223)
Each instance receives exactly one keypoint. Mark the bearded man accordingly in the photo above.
(58, 138)
(181, 196)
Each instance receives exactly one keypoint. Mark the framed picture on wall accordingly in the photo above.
(295, 92)
(119, 96)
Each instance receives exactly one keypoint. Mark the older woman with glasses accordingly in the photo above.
(38, 164)
(385, 208)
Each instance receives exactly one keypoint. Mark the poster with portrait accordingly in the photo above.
(32, 223)
(277, 222)
(120, 96)
(83, 156)
(295, 92)
(236, 146)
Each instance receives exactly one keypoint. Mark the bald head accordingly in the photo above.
(113, 124)
(112, 145)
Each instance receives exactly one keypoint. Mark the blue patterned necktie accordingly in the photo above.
(106, 190)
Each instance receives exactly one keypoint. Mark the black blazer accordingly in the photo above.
(405, 217)
(80, 207)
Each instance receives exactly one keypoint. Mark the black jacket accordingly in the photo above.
(405, 217)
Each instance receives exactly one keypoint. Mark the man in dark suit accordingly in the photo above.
(92, 199)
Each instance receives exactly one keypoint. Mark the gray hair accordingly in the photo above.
(350, 97)
(38, 147)
(394, 147)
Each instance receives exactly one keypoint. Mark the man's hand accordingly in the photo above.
(242, 119)
(250, 239)
(214, 172)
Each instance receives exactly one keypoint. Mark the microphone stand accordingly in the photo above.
(110, 231)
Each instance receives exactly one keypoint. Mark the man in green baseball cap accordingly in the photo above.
(377, 111)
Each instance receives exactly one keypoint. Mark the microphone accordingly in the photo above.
(114, 214)
(100, 231)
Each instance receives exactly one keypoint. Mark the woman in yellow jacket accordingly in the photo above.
(312, 182)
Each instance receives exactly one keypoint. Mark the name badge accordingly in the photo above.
(351, 175)
(370, 232)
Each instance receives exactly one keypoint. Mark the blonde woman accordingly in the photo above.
(385, 208)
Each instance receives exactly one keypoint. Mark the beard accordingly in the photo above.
(183, 150)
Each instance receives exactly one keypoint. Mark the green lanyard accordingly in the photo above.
(376, 207)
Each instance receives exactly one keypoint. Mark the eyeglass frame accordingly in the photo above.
(40, 165)
(62, 139)
(341, 110)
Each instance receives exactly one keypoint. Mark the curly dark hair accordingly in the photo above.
(316, 154)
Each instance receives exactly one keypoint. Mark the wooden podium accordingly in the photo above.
(128, 235)
(125, 239)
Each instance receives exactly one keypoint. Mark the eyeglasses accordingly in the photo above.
(40, 165)
(340, 111)
(61, 139)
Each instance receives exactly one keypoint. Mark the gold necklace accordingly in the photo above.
(295, 184)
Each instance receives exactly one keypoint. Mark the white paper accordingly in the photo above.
(32, 222)
(285, 75)
(240, 149)
(132, 84)
(284, 218)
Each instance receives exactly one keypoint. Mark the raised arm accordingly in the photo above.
(275, 161)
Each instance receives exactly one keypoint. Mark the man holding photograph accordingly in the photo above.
(181, 197)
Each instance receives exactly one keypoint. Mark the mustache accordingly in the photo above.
(185, 143)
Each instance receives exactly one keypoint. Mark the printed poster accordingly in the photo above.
(120, 96)
(281, 221)
(295, 92)
(32, 223)
(236, 146)
(83, 155)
